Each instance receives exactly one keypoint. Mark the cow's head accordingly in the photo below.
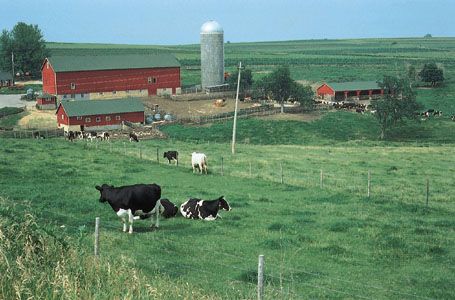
(170, 210)
(103, 188)
(223, 204)
(165, 154)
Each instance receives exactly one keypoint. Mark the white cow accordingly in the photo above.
(199, 160)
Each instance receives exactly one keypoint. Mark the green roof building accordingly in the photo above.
(75, 115)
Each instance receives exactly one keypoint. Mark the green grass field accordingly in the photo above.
(330, 242)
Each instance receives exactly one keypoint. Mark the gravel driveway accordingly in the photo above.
(14, 101)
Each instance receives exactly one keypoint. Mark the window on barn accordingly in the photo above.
(108, 118)
(73, 86)
(63, 117)
(117, 118)
(87, 120)
(79, 118)
(98, 119)
(151, 80)
(47, 65)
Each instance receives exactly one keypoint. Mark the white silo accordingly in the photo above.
(212, 54)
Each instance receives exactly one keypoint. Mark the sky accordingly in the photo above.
(177, 22)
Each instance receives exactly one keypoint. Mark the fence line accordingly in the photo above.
(31, 133)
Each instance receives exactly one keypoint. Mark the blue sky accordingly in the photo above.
(171, 22)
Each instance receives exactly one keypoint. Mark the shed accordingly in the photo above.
(46, 101)
(358, 90)
(99, 114)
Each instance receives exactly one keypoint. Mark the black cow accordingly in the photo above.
(171, 155)
(71, 136)
(452, 117)
(133, 137)
(37, 135)
(167, 210)
(204, 209)
(133, 201)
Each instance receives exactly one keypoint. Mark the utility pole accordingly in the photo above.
(12, 66)
(235, 111)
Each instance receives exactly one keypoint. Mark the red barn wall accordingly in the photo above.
(325, 90)
(48, 76)
(118, 80)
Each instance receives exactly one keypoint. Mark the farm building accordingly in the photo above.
(354, 90)
(6, 79)
(110, 76)
(99, 114)
(46, 101)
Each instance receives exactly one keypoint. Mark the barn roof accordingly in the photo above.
(74, 108)
(68, 63)
(354, 86)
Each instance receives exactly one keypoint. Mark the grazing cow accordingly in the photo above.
(104, 136)
(132, 201)
(37, 135)
(452, 117)
(92, 135)
(133, 137)
(437, 113)
(204, 209)
(171, 155)
(71, 136)
(199, 160)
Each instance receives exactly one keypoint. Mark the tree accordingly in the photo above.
(412, 74)
(399, 103)
(246, 81)
(282, 87)
(431, 73)
(27, 44)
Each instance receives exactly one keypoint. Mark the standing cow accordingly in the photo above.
(199, 160)
(172, 155)
(133, 137)
(132, 202)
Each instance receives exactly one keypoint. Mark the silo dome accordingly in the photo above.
(212, 54)
(211, 26)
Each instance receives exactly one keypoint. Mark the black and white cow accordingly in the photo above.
(133, 137)
(104, 136)
(171, 155)
(207, 210)
(92, 135)
(37, 135)
(133, 202)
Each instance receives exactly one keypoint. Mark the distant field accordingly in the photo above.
(314, 61)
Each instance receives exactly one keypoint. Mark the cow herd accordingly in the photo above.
(92, 135)
(141, 201)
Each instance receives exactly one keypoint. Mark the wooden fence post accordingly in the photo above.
(428, 190)
(222, 167)
(281, 168)
(97, 236)
(369, 183)
(322, 179)
(157, 155)
(140, 152)
(124, 148)
(261, 277)
(250, 169)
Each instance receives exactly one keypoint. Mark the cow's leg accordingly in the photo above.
(123, 214)
(130, 220)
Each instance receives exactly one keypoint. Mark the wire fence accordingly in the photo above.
(32, 133)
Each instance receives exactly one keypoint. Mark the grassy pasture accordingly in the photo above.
(318, 243)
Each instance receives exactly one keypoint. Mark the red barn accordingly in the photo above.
(86, 77)
(346, 90)
(99, 114)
